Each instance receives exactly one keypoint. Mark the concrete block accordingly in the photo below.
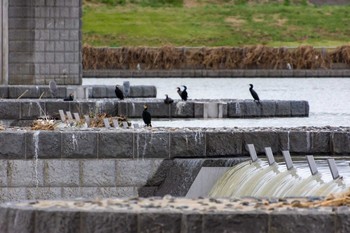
(135, 172)
(234, 109)
(43, 193)
(117, 192)
(284, 140)
(71, 192)
(262, 139)
(182, 109)
(15, 194)
(56, 220)
(230, 222)
(10, 110)
(21, 220)
(32, 110)
(299, 108)
(187, 144)
(23, 173)
(99, 92)
(43, 144)
(105, 222)
(299, 142)
(159, 222)
(24, 91)
(4, 220)
(79, 145)
(110, 93)
(59, 173)
(157, 109)
(4, 92)
(320, 142)
(224, 143)
(300, 222)
(12, 145)
(342, 220)
(149, 92)
(268, 108)
(115, 145)
(3, 173)
(151, 145)
(251, 109)
(52, 107)
(198, 110)
(341, 142)
(107, 106)
(283, 108)
(98, 173)
(191, 223)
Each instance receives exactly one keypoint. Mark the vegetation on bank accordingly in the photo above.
(212, 23)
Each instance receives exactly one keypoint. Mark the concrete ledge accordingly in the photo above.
(32, 109)
(36, 92)
(198, 73)
(169, 143)
(139, 215)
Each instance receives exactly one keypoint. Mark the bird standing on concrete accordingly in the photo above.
(146, 116)
(119, 93)
(183, 94)
(254, 94)
(168, 100)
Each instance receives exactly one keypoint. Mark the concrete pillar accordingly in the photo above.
(44, 42)
(3, 42)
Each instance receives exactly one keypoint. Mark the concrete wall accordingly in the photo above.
(44, 41)
(43, 91)
(18, 110)
(168, 143)
(197, 73)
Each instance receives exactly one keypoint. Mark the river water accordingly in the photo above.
(328, 98)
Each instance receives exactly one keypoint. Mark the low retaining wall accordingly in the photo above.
(198, 73)
(32, 109)
(171, 215)
(97, 91)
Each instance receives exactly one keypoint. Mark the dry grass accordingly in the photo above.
(255, 57)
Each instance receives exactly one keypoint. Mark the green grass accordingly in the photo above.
(213, 24)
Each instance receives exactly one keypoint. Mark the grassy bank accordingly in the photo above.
(213, 24)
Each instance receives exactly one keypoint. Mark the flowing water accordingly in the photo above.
(328, 98)
(261, 180)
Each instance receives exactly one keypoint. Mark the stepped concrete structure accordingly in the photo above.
(40, 41)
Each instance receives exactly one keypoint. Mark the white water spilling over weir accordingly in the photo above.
(260, 178)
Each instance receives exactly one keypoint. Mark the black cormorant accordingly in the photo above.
(69, 98)
(146, 116)
(168, 100)
(184, 94)
(179, 91)
(119, 93)
(254, 94)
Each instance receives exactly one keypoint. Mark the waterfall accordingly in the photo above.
(258, 179)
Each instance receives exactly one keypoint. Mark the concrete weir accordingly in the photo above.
(29, 109)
